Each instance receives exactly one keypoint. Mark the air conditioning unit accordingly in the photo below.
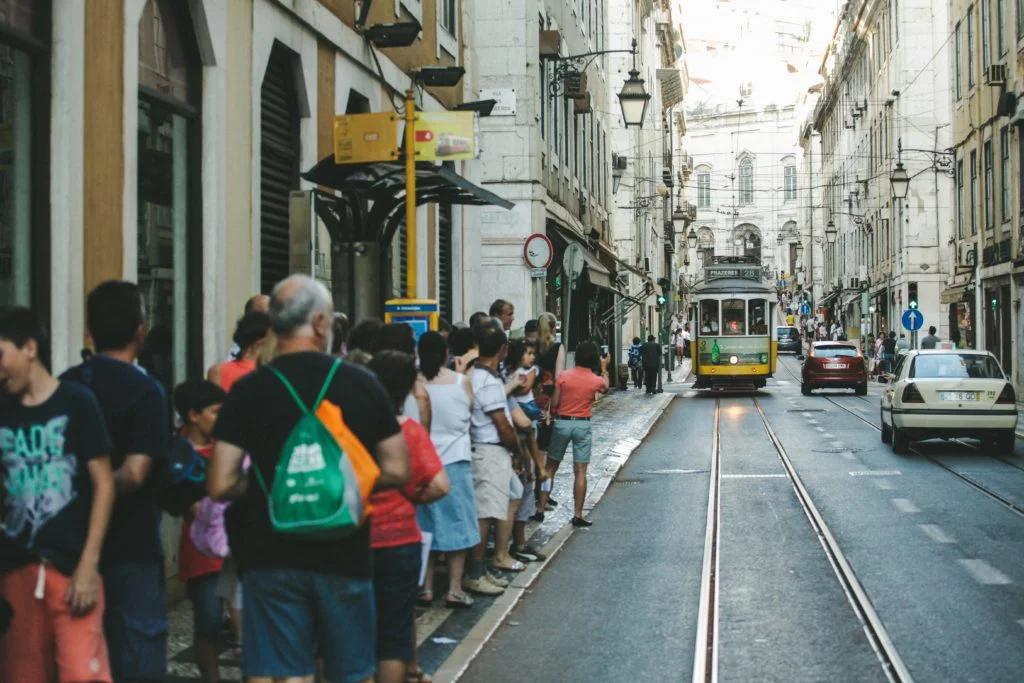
(995, 74)
(619, 162)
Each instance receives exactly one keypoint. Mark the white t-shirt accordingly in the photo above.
(528, 396)
(488, 396)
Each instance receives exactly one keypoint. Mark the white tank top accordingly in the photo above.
(449, 421)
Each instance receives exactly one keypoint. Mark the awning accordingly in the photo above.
(827, 299)
(671, 87)
(952, 295)
(851, 300)
(633, 269)
(597, 273)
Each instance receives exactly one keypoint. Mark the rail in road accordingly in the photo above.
(925, 452)
(706, 657)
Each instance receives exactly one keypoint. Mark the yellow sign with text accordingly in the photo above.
(365, 138)
(446, 135)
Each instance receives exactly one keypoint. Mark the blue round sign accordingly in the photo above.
(805, 309)
(913, 320)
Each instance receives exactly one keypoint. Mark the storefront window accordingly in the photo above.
(15, 177)
(734, 317)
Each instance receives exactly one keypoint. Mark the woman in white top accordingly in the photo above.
(452, 520)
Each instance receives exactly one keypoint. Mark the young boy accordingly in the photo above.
(57, 494)
(198, 403)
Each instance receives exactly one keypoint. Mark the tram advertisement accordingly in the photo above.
(746, 350)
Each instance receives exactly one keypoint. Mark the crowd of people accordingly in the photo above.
(439, 441)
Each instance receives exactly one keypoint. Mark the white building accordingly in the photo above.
(886, 81)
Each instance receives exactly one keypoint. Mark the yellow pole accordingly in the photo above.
(410, 192)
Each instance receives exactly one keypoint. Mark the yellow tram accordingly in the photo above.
(734, 341)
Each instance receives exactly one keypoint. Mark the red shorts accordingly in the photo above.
(45, 641)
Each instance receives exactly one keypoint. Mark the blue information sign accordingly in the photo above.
(805, 309)
(913, 320)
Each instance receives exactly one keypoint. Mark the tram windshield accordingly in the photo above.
(709, 317)
(734, 317)
(758, 316)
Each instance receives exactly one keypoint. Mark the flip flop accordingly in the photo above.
(516, 566)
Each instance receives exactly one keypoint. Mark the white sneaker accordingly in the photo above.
(497, 580)
(481, 586)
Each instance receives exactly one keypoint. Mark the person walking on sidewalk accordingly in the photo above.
(931, 341)
(573, 406)
(635, 364)
(650, 359)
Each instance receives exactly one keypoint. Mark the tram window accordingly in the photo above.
(709, 317)
(734, 317)
(757, 317)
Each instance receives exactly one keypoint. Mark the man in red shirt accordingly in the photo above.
(572, 405)
(198, 403)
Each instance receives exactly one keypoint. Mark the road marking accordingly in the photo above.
(984, 573)
(672, 472)
(936, 533)
(875, 473)
(885, 485)
(753, 476)
(905, 505)
(812, 422)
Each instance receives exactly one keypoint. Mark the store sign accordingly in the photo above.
(446, 136)
(365, 138)
(741, 272)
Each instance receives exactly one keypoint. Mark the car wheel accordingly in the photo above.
(805, 389)
(861, 389)
(900, 442)
(1004, 443)
(886, 432)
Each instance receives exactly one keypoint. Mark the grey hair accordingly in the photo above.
(294, 309)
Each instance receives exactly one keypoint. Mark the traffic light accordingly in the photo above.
(995, 303)
(912, 296)
(665, 285)
(662, 300)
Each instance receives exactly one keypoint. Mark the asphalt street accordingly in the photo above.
(933, 541)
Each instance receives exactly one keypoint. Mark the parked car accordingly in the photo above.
(834, 365)
(789, 339)
(949, 393)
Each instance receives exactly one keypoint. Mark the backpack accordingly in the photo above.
(324, 476)
(179, 480)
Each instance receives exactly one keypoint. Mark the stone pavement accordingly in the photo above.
(621, 420)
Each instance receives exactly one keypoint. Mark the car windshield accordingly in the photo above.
(955, 366)
(786, 332)
(835, 352)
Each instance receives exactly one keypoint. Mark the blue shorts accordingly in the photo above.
(207, 610)
(576, 432)
(531, 409)
(291, 614)
(135, 621)
(396, 577)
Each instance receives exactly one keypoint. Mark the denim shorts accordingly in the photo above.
(291, 613)
(135, 622)
(452, 520)
(576, 432)
(396, 576)
(207, 610)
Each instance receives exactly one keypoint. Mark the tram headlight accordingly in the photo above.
(733, 360)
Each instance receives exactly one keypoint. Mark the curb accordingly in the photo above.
(463, 655)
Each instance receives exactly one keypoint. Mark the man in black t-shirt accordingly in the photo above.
(650, 359)
(301, 595)
(135, 410)
(57, 495)
(889, 352)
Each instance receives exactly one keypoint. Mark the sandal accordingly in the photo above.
(458, 601)
(425, 598)
(516, 566)
(418, 676)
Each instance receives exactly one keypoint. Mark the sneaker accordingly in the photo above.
(552, 502)
(528, 551)
(481, 586)
(497, 580)
(539, 517)
(581, 523)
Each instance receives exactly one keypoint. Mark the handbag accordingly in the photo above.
(544, 431)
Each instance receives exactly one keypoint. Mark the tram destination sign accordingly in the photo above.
(722, 272)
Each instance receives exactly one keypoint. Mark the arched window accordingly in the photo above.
(746, 181)
(169, 182)
(703, 187)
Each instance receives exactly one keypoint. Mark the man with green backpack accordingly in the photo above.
(322, 436)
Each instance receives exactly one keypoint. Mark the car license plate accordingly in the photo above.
(958, 396)
(835, 366)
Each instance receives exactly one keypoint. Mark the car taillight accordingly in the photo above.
(1007, 396)
(911, 394)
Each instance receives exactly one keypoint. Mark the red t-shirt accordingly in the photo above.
(577, 388)
(393, 521)
(191, 562)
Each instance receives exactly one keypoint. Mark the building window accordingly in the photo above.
(990, 210)
(958, 51)
(960, 198)
(896, 19)
(1004, 172)
(790, 183)
(746, 182)
(970, 46)
(974, 191)
(448, 9)
(169, 216)
(986, 35)
(1001, 27)
(704, 189)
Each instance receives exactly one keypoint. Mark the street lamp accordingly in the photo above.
(679, 219)
(900, 181)
(799, 250)
(691, 238)
(830, 232)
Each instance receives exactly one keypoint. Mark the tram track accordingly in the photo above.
(705, 658)
(965, 478)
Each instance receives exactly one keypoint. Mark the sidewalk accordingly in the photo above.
(449, 639)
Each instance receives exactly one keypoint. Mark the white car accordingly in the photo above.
(949, 393)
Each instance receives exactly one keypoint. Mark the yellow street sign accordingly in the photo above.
(365, 138)
(446, 135)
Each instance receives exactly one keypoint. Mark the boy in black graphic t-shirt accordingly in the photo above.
(57, 495)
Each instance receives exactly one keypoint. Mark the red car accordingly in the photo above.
(833, 365)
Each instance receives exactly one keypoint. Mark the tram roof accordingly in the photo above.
(732, 286)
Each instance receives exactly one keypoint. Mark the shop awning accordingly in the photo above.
(849, 301)
(827, 299)
(598, 274)
(951, 295)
